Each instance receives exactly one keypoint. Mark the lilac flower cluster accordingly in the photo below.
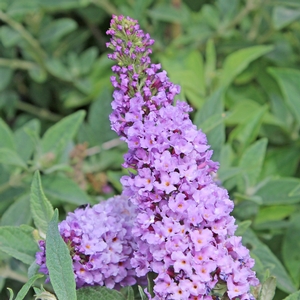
(100, 243)
(184, 230)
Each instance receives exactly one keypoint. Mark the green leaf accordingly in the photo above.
(25, 288)
(9, 36)
(87, 59)
(5, 75)
(210, 63)
(98, 117)
(239, 60)
(24, 144)
(59, 263)
(288, 80)
(294, 296)
(242, 227)
(10, 157)
(18, 213)
(62, 4)
(283, 16)
(18, 242)
(56, 29)
(274, 213)
(56, 68)
(142, 293)
(265, 259)
(246, 133)
(268, 288)
(41, 208)
(128, 293)
(99, 293)
(7, 138)
(251, 162)
(291, 248)
(64, 189)
(59, 135)
(277, 191)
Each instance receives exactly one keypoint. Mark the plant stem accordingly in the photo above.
(37, 111)
(17, 64)
(107, 6)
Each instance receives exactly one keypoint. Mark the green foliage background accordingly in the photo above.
(237, 62)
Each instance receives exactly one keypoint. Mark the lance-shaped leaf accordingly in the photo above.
(99, 293)
(59, 262)
(41, 208)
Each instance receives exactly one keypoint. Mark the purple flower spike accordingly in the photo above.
(100, 243)
(184, 230)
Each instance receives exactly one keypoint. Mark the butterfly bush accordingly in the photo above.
(183, 228)
(100, 243)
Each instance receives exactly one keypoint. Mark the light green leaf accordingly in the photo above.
(59, 135)
(274, 213)
(56, 29)
(142, 293)
(288, 80)
(7, 138)
(59, 263)
(41, 208)
(291, 248)
(10, 157)
(277, 191)
(25, 288)
(18, 242)
(99, 293)
(294, 296)
(283, 16)
(18, 213)
(64, 189)
(251, 162)
(239, 60)
(265, 259)
(268, 288)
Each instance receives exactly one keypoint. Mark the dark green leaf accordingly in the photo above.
(59, 263)
(5, 75)
(41, 208)
(18, 242)
(99, 293)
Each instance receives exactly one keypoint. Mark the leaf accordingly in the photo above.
(265, 259)
(18, 213)
(25, 288)
(273, 213)
(246, 133)
(128, 293)
(59, 135)
(87, 59)
(288, 80)
(6, 76)
(7, 138)
(9, 36)
(291, 248)
(99, 293)
(24, 144)
(277, 191)
(10, 157)
(251, 162)
(268, 289)
(98, 117)
(239, 60)
(283, 16)
(56, 68)
(142, 293)
(41, 208)
(62, 4)
(18, 242)
(210, 63)
(56, 29)
(294, 296)
(242, 227)
(64, 189)
(59, 262)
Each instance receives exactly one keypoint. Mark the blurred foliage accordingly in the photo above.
(238, 65)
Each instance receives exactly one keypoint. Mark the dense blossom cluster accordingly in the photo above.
(100, 243)
(184, 230)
